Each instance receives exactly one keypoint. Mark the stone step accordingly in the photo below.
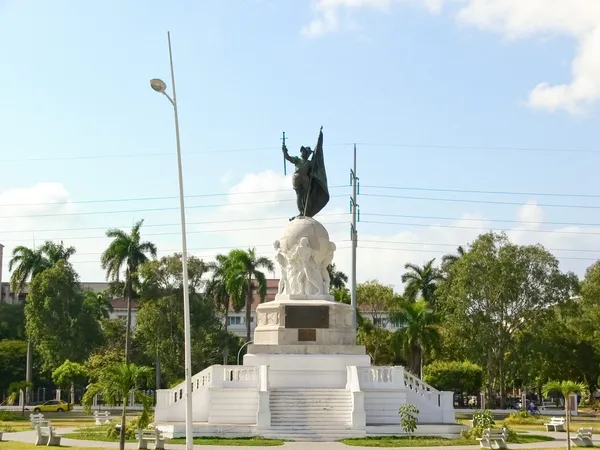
(322, 405)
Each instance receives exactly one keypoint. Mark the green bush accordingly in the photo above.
(522, 418)
(9, 416)
(483, 419)
(472, 433)
(456, 376)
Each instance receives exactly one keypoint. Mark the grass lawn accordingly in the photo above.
(22, 446)
(426, 441)
(238, 442)
(99, 434)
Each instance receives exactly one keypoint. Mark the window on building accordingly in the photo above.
(234, 320)
(380, 322)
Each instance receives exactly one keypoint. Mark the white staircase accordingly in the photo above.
(311, 414)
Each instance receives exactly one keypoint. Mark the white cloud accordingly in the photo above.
(579, 19)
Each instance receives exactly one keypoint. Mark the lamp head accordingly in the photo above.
(158, 85)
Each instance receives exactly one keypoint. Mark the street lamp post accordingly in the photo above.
(160, 86)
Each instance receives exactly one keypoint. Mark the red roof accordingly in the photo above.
(121, 303)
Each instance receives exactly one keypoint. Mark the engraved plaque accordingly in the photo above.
(307, 335)
(306, 316)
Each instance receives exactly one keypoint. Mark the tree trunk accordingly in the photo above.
(123, 423)
(127, 291)
(568, 417)
(157, 369)
(415, 366)
(249, 309)
(28, 373)
(501, 376)
(73, 393)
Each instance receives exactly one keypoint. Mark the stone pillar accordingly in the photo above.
(263, 414)
(398, 377)
(95, 401)
(447, 407)
(482, 397)
(57, 394)
(21, 397)
(572, 404)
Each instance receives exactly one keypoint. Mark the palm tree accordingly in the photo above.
(421, 280)
(119, 381)
(449, 259)
(243, 267)
(126, 252)
(417, 332)
(338, 279)
(221, 289)
(27, 263)
(566, 388)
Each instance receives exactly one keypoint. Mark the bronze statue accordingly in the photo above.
(309, 179)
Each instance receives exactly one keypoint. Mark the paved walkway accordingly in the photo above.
(30, 436)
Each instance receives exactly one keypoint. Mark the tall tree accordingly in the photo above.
(160, 329)
(497, 290)
(221, 289)
(27, 263)
(59, 320)
(421, 281)
(244, 268)
(417, 332)
(377, 300)
(126, 253)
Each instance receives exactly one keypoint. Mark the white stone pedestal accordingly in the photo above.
(291, 321)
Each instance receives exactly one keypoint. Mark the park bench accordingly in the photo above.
(102, 417)
(583, 438)
(556, 424)
(47, 436)
(150, 435)
(37, 419)
(490, 436)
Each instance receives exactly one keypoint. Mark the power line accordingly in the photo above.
(457, 245)
(436, 251)
(490, 202)
(150, 225)
(141, 199)
(173, 233)
(478, 228)
(154, 209)
(541, 222)
(483, 148)
(273, 148)
(476, 191)
(151, 155)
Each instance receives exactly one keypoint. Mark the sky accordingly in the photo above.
(468, 116)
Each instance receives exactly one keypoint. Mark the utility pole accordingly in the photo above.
(354, 237)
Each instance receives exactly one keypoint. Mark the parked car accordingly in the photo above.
(51, 406)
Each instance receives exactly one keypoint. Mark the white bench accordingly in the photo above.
(556, 424)
(37, 419)
(47, 436)
(490, 436)
(150, 435)
(102, 417)
(583, 438)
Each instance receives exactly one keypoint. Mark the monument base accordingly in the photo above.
(317, 322)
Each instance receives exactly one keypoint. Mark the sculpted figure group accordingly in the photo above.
(304, 269)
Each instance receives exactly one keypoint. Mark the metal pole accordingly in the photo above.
(354, 242)
(189, 429)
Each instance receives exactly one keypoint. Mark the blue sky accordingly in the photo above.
(77, 111)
